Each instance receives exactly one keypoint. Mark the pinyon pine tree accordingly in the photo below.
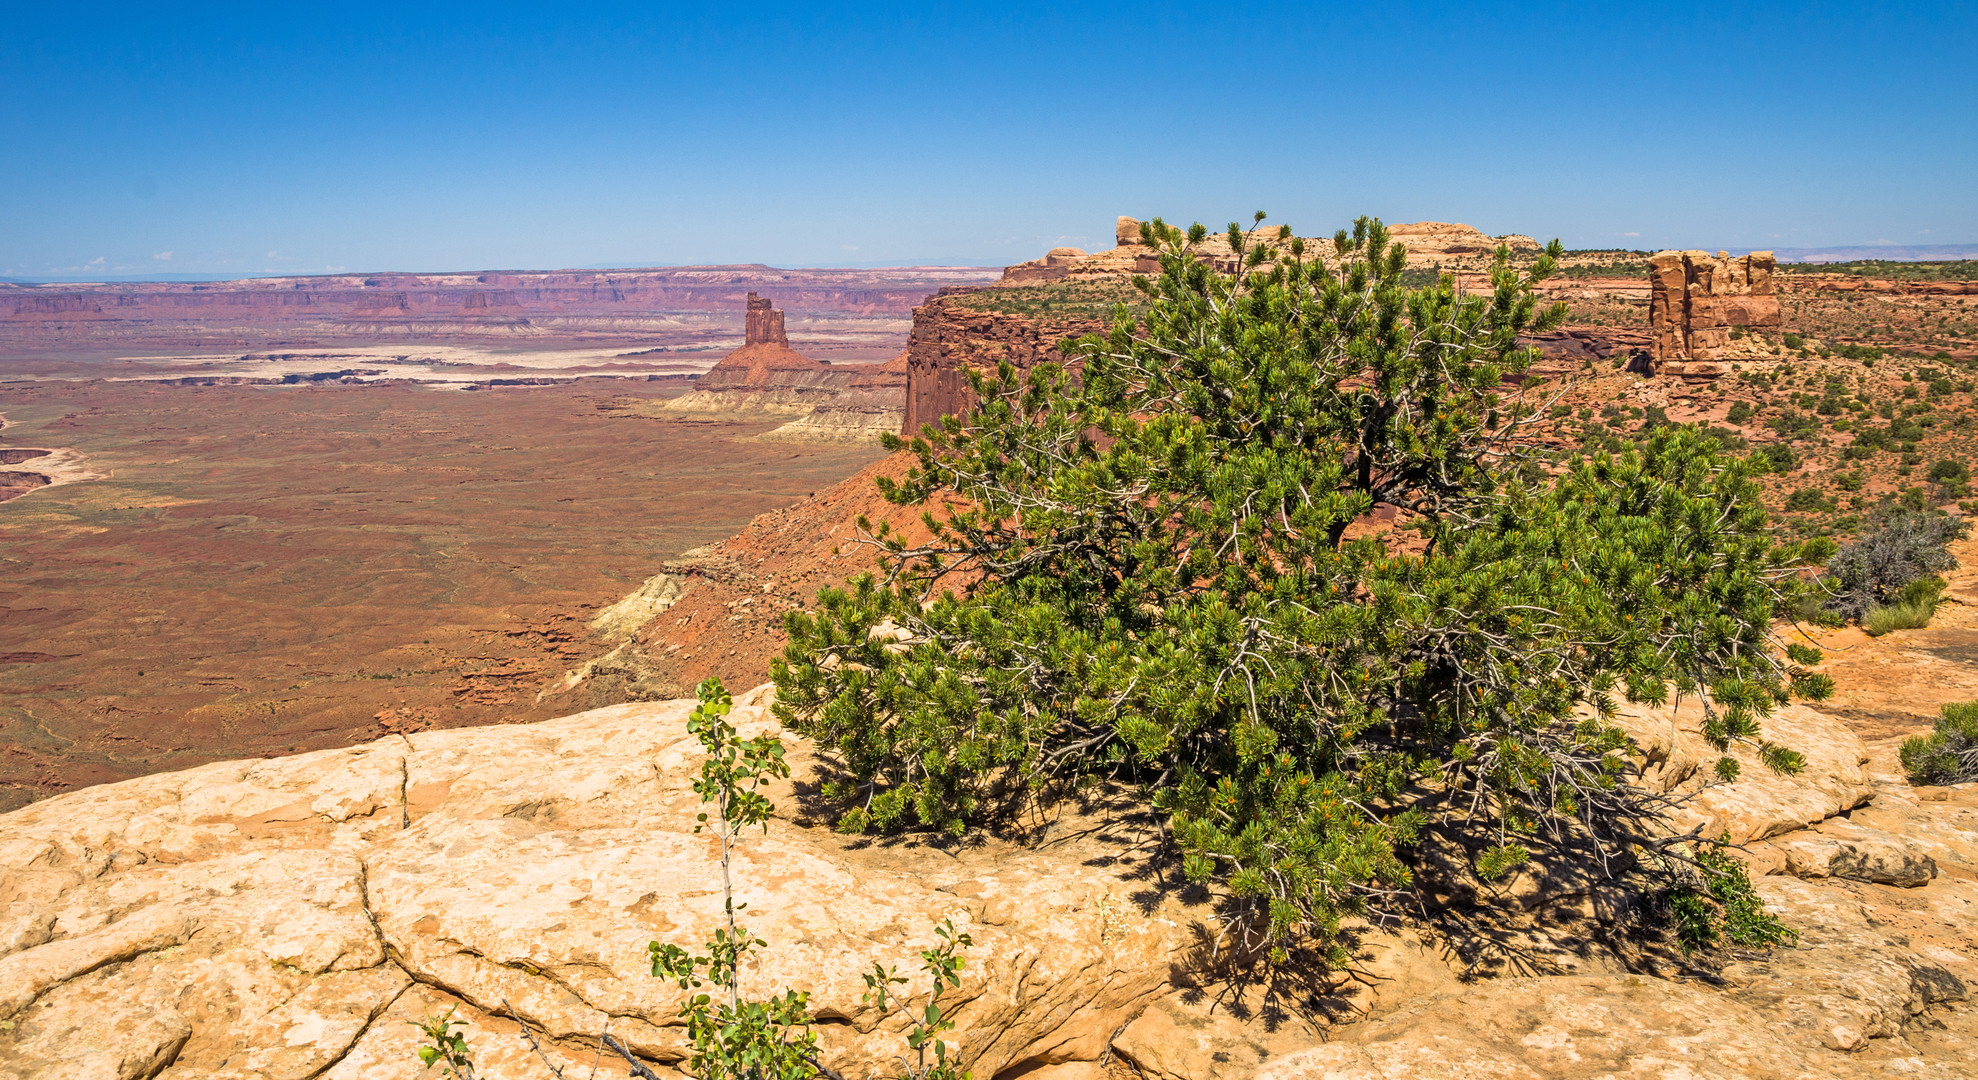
(1155, 565)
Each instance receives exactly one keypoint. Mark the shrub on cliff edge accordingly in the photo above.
(1164, 567)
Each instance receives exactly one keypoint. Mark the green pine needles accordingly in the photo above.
(1281, 552)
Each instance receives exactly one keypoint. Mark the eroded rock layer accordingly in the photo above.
(766, 378)
(1696, 300)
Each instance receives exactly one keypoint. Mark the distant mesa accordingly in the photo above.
(1428, 240)
(859, 309)
(1428, 243)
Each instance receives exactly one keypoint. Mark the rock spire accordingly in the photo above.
(765, 323)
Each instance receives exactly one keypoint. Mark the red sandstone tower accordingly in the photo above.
(765, 324)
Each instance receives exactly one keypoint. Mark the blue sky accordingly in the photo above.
(306, 138)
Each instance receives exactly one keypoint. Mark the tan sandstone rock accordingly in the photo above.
(262, 918)
(290, 918)
(1539, 1029)
(1759, 803)
(1193, 1035)
(1696, 299)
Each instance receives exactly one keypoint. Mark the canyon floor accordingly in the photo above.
(271, 569)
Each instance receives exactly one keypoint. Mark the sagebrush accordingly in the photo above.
(1949, 753)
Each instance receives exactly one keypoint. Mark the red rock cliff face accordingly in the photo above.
(764, 325)
(947, 338)
(1695, 299)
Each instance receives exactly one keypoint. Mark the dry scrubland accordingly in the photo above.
(273, 570)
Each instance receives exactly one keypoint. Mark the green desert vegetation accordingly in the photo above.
(1887, 579)
(1949, 753)
(734, 1036)
(1953, 270)
(1152, 574)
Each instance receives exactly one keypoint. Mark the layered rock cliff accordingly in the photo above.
(27, 468)
(1696, 299)
(950, 336)
(495, 306)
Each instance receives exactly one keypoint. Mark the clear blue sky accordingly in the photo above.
(304, 138)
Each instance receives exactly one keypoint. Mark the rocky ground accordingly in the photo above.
(287, 917)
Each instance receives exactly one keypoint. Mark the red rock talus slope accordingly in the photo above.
(824, 401)
(728, 620)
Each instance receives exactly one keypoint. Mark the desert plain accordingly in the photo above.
(276, 529)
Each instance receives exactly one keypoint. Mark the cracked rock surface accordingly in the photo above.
(285, 917)
(291, 918)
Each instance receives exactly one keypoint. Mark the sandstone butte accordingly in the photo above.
(1694, 302)
(767, 379)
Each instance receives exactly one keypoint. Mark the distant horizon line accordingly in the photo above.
(196, 278)
(1833, 253)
